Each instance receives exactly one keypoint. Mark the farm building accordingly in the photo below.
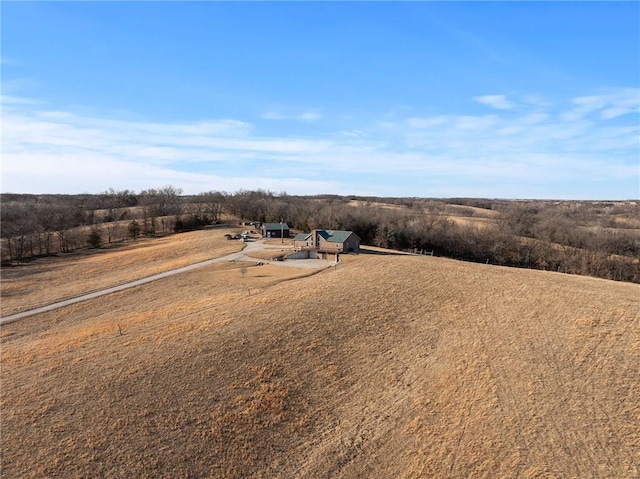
(275, 230)
(319, 243)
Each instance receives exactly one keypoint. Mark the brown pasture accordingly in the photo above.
(48, 280)
(387, 366)
(474, 221)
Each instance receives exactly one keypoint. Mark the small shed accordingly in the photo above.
(275, 230)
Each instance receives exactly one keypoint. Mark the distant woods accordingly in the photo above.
(600, 239)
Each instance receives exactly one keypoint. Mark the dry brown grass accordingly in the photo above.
(478, 212)
(284, 242)
(386, 366)
(269, 254)
(475, 221)
(49, 280)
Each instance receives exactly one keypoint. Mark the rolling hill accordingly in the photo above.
(385, 366)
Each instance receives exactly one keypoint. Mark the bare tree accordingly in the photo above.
(134, 230)
(214, 205)
(94, 240)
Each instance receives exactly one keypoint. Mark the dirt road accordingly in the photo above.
(244, 255)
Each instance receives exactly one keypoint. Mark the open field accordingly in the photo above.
(387, 366)
(477, 212)
(48, 280)
(477, 222)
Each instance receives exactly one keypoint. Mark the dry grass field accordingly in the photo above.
(387, 366)
(477, 222)
(48, 280)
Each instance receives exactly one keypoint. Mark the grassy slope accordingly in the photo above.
(388, 366)
(54, 279)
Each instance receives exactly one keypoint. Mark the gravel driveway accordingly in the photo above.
(244, 255)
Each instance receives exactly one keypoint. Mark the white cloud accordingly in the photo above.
(93, 173)
(535, 117)
(510, 130)
(309, 115)
(427, 122)
(51, 150)
(8, 100)
(467, 122)
(499, 102)
(353, 133)
(608, 105)
(147, 142)
(536, 101)
(273, 115)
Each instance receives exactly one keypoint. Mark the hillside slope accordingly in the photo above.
(386, 366)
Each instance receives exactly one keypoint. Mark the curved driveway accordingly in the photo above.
(239, 256)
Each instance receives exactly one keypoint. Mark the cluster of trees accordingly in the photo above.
(572, 237)
(42, 225)
(37, 228)
(541, 237)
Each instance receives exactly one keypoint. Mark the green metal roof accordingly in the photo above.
(332, 236)
(338, 236)
(276, 226)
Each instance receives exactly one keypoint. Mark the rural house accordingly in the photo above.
(319, 243)
(275, 230)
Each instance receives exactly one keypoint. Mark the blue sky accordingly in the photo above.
(431, 99)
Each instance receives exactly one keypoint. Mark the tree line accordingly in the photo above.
(43, 225)
(592, 238)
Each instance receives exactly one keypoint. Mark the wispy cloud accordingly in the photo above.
(430, 122)
(52, 150)
(499, 102)
(607, 105)
(7, 100)
(308, 115)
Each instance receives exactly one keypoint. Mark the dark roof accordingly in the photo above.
(276, 226)
(332, 236)
(337, 236)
